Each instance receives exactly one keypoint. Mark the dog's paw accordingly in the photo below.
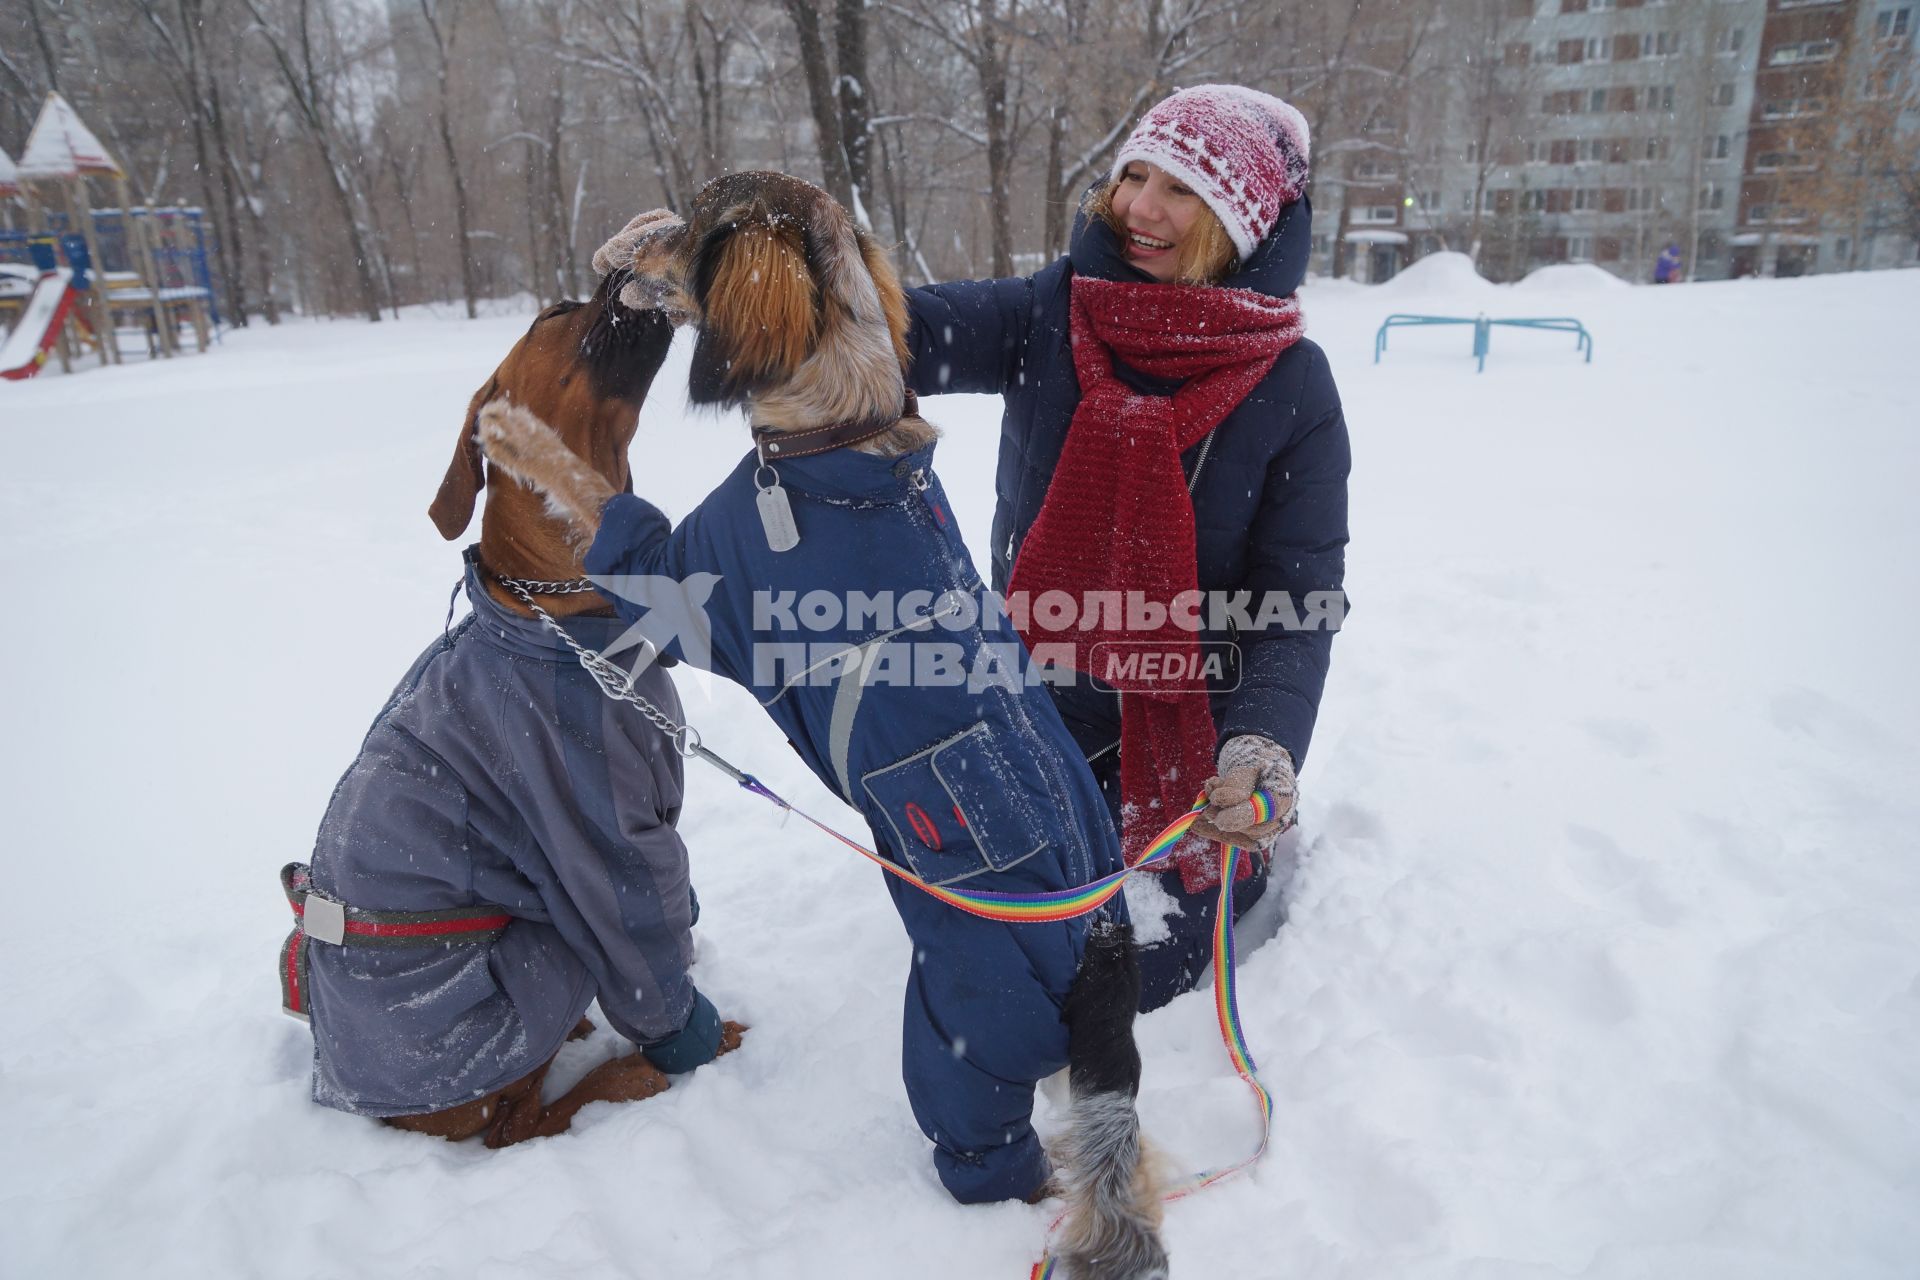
(627, 1079)
(518, 442)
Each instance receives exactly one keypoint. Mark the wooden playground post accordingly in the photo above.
(140, 257)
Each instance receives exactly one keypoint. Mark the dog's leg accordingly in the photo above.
(1112, 1226)
(531, 452)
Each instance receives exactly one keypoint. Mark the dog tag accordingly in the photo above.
(776, 518)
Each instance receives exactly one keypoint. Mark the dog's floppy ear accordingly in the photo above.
(452, 507)
(893, 300)
(759, 304)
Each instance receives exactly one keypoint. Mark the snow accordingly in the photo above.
(1601, 954)
(1571, 277)
(61, 145)
(1437, 275)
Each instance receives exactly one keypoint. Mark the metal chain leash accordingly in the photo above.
(614, 680)
(549, 586)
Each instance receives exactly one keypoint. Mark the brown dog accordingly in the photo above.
(586, 367)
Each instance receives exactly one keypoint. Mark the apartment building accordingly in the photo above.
(1826, 104)
(1604, 131)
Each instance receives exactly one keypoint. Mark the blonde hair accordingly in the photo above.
(1206, 254)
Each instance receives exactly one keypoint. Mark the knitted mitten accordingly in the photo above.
(645, 247)
(1247, 764)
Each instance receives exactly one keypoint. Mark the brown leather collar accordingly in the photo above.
(805, 443)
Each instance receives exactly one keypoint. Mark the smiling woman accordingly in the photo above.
(1167, 430)
(1166, 229)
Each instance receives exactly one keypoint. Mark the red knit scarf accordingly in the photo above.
(1117, 517)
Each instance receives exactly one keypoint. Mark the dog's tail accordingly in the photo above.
(1111, 1229)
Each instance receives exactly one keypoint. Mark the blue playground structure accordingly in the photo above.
(74, 277)
(181, 245)
(1483, 331)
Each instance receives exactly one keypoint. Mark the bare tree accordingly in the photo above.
(444, 28)
(309, 72)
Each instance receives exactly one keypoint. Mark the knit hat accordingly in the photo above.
(1242, 151)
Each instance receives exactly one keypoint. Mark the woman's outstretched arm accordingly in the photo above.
(968, 335)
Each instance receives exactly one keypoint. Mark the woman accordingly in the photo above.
(1168, 431)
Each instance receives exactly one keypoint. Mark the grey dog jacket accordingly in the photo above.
(499, 774)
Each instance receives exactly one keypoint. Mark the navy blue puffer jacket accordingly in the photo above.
(1270, 499)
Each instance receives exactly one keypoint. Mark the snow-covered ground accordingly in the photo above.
(1604, 957)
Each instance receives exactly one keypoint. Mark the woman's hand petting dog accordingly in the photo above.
(647, 247)
(530, 451)
(1247, 764)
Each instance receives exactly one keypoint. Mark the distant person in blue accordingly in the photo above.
(1666, 269)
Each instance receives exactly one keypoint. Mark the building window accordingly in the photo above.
(1659, 44)
(1730, 40)
(1518, 54)
(1599, 49)
(1586, 198)
(1569, 52)
(1792, 108)
(1573, 6)
(1656, 148)
(1723, 94)
(1891, 24)
(1719, 146)
(1713, 196)
(1787, 55)
(1579, 248)
(1597, 99)
(1374, 215)
(1659, 97)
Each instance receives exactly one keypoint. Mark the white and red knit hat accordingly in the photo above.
(1244, 152)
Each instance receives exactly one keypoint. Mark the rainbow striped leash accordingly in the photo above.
(1065, 904)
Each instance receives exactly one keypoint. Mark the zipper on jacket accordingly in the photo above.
(919, 483)
(1200, 463)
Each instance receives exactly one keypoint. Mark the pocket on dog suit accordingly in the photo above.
(951, 808)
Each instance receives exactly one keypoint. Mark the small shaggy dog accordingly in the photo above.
(802, 321)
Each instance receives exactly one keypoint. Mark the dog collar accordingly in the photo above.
(805, 443)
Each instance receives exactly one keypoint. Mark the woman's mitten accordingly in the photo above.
(1248, 763)
(645, 247)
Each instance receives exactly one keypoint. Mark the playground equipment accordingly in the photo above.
(47, 298)
(127, 270)
(1483, 331)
